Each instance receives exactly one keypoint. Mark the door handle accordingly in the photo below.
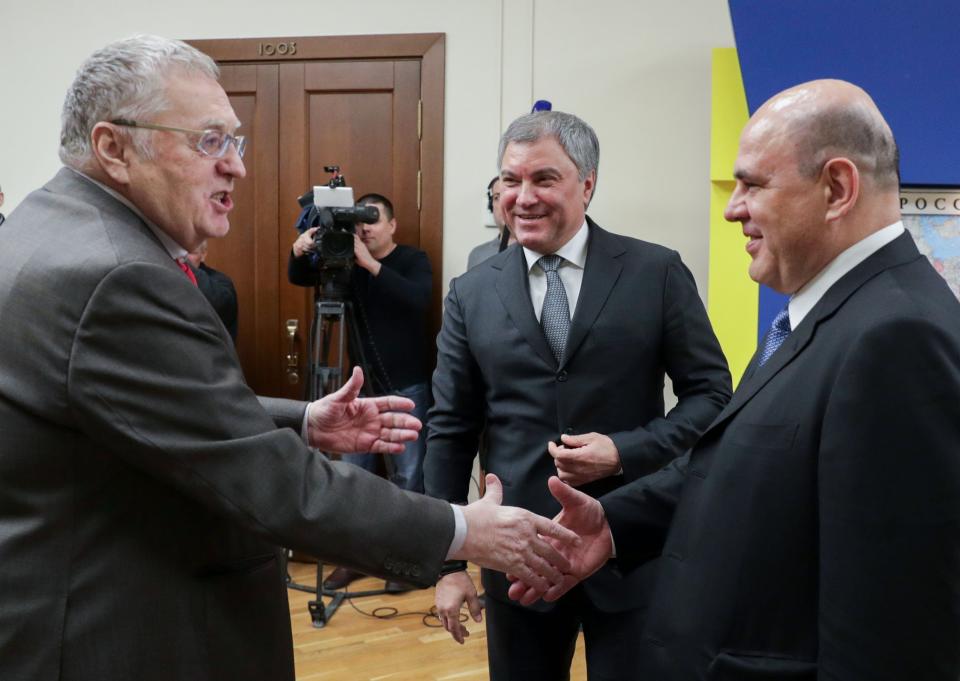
(292, 363)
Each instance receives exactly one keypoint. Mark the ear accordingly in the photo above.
(588, 184)
(393, 226)
(112, 150)
(841, 186)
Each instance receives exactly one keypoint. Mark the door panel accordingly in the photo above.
(351, 130)
(248, 253)
(349, 76)
(349, 114)
(406, 160)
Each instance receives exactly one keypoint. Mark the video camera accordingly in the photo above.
(330, 207)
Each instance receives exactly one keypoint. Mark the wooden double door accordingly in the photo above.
(372, 105)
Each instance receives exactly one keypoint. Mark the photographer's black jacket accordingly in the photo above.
(391, 308)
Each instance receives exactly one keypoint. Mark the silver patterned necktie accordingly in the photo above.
(778, 333)
(555, 314)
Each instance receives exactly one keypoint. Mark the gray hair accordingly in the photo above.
(125, 79)
(578, 139)
(856, 132)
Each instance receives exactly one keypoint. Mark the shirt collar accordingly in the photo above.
(574, 251)
(804, 300)
(175, 250)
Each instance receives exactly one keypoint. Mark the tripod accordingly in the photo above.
(332, 314)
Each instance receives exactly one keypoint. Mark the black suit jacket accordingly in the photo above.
(638, 317)
(816, 525)
(144, 486)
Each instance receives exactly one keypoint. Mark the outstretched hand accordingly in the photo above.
(514, 540)
(584, 515)
(345, 422)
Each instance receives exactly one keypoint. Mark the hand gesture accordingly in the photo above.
(584, 458)
(305, 242)
(514, 540)
(452, 592)
(584, 515)
(343, 422)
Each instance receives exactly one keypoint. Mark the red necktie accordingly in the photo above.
(186, 270)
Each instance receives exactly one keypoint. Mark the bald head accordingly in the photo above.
(816, 173)
(831, 118)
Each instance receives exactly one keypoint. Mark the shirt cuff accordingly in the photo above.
(459, 531)
(303, 426)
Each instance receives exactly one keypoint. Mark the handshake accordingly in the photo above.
(543, 558)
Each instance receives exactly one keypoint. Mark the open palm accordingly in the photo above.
(344, 422)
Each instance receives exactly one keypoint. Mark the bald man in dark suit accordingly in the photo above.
(814, 531)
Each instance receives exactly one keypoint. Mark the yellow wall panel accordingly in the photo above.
(733, 296)
(728, 112)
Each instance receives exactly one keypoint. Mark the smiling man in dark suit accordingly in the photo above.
(145, 488)
(557, 349)
(814, 531)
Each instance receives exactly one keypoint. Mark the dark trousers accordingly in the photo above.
(525, 645)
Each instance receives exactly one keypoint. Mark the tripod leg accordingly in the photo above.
(324, 379)
(318, 612)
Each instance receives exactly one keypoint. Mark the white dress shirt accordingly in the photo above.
(574, 254)
(804, 300)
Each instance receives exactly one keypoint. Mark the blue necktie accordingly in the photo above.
(778, 333)
(555, 314)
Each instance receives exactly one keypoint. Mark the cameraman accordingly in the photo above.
(390, 290)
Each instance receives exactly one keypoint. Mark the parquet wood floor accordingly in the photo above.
(353, 647)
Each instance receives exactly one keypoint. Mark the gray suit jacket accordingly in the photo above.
(638, 317)
(482, 252)
(144, 486)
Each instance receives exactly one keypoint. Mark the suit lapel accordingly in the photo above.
(900, 251)
(600, 273)
(513, 288)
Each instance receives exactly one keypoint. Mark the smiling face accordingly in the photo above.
(542, 198)
(781, 211)
(182, 191)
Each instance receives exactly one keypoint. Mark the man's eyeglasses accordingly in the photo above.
(213, 143)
